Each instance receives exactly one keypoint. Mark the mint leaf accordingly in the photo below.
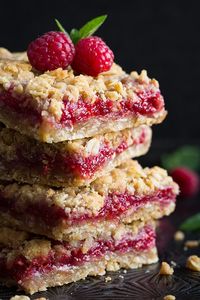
(74, 35)
(60, 27)
(191, 224)
(90, 27)
(187, 156)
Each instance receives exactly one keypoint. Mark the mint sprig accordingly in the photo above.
(187, 156)
(191, 224)
(86, 30)
(74, 35)
(60, 27)
(90, 27)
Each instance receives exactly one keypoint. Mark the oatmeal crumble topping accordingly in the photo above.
(114, 84)
(165, 269)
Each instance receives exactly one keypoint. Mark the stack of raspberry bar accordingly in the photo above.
(73, 203)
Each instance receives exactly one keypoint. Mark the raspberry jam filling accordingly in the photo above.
(116, 206)
(65, 163)
(148, 103)
(22, 268)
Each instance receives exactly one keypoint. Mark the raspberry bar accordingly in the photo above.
(35, 263)
(67, 163)
(128, 193)
(59, 105)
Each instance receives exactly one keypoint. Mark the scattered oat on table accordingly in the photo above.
(191, 243)
(165, 269)
(173, 263)
(179, 236)
(193, 263)
(125, 271)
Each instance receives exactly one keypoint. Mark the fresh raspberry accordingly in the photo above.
(92, 56)
(187, 180)
(51, 51)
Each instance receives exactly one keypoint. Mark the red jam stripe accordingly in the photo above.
(21, 268)
(116, 205)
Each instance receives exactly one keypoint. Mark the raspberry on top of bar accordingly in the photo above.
(59, 105)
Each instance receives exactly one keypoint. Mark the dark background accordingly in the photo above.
(160, 36)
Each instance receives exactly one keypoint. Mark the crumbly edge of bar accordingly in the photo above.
(89, 230)
(129, 178)
(48, 89)
(51, 132)
(110, 262)
(10, 140)
(24, 175)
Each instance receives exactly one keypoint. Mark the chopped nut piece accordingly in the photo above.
(191, 243)
(193, 263)
(165, 269)
(179, 236)
(169, 297)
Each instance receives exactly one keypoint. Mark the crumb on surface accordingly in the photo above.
(165, 269)
(179, 235)
(173, 263)
(169, 297)
(125, 271)
(193, 263)
(108, 278)
(192, 243)
(121, 276)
